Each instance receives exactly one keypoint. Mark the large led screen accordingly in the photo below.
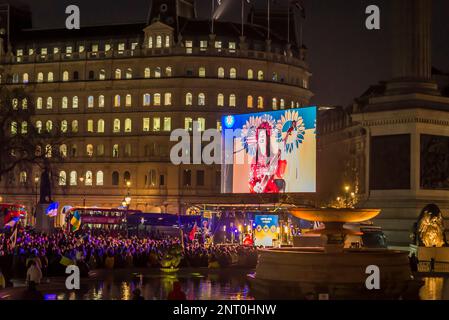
(269, 152)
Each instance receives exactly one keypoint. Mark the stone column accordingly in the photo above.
(412, 41)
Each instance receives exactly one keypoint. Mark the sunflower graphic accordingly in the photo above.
(291, 129)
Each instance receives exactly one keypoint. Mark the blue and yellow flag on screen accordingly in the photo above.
(75, 221)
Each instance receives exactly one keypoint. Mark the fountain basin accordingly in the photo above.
(335, 215)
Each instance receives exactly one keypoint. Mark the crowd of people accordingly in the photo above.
(33, 255)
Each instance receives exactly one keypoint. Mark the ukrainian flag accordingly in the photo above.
(75, 221)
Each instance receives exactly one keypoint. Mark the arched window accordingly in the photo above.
(274, 103)
(115, 178)
(221, 72)
(100, 178)
(65, 76)
(39, 103)
(146, 99)
(147, 73)
(115, 151)
(15, 103)
(129, 73)
(157, 72)
(24, 104)
(91, 75)
(75, 102)
(189, 99)
(118, 74)
(62, 178)
(168, 71)
(89, 150)
(64, 126)
(233, 73)
(158, 42)
(282, 104)
(188, 124)
(102, 74)
(49, 125)
(75, 126)
(260, 102)
(13, 127)
(157, 99)
(274, 77)
(150, 42)
(220, 100)
(116, 125)
(88, 178)
(50, 77)
(39, 126)
(260, 75)
(23, 177)
(167, 41)
(49, 103)
(100, 150)
(65, 102)
(101, 101)
(201, 99)
(201, 124)
(75, 75)
(100, 126)
(90, 102)
(73, 178)
(40, 77)
(74, 151)
(117, 100)
(249, 102)
(127, 176)
(202, 72)
(250, 74)
(48, 151)
(24, 127)
(63, 150)
(128, 125)
(232, 100)
(25, 78)
(128, 100)
(167, 99)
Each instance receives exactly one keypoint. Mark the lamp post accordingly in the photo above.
(84, 193)
(36, 184)
(126, 203)
(347, 188)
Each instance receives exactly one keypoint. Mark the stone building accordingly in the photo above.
(116, 92)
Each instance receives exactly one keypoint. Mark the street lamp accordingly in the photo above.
(84, 194)
(347, 188)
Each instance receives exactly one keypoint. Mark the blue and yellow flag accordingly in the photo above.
(75, 221)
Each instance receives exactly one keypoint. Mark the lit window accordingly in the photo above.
(274, 77)
(201, 72)
(73, 178)
(232, 73)
(100, 126)
(49, 103)
(75, 126)
(260, 75)
(150, 42)
(156, 124)
(116, 125)
(250, 74)
(158, 41)
(88, 179)
(201, 124)
(232, 46)
(167, 99)
(89, 150)
(189, 46)
(75, 102)
(220, 100)
(40, 77)
(274, 103)
(249, 102)
(63, 150)
(48, 151)
(39, 126)
(167, 41)
(102, 74)
(129, 73)
(167, 123)
(203, 45)
(147, 73)
(62, 178)
(260, 102)
(50, 77)
(282, 104)
(64, 126)
(232, 100)
(49, 125)
(121, 46)
(117, 101)
(157, 99)
(24, 104)
(219, 127)
(146, 124)
(157, 72)
(188, 123)
(107, 47)
(201, 99)
(168, 71)
(189, 99)
(65, 76)
(101, 101)
(90, 125)
(65, 102)
(218, 45)
(24, 127)
(100, 178)
(146, 99)
(118, 74)
(128, 100)
(128, 125)
(25, 78)
(15, 104)
(90, 102)
(39, 103)
(13, 128)
(115, 151)
(221, 72)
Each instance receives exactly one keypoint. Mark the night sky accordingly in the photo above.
(344, 57)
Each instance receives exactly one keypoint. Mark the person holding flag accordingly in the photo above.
(75, 222)
(193, 232)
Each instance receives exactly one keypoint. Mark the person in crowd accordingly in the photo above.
(137, 295)
(34, 273)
